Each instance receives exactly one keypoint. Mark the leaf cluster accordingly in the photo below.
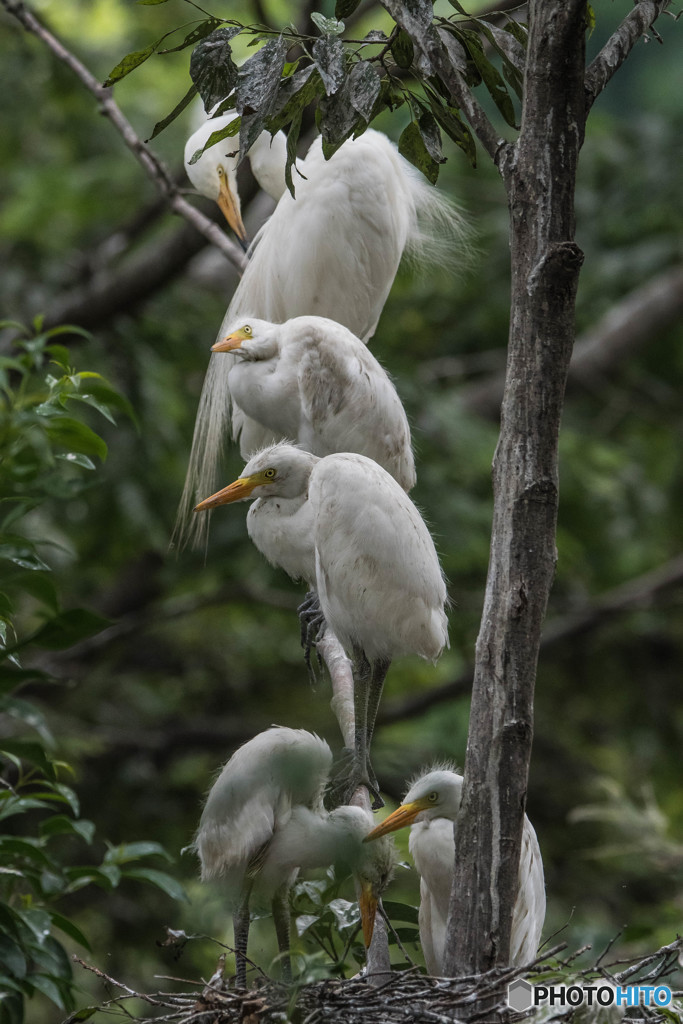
(349, 82)
(44, 448)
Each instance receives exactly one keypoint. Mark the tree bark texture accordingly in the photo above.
(539, 173)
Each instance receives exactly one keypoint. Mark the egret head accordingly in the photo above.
(371, 865)
(280, 471)
(252, 339)
(434, 795)
(214, 173)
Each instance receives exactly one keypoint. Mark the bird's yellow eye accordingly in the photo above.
(270, 473)
(221, 172)
(433, 797)
(247, 330)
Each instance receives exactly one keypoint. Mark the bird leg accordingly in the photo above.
(240, 923)
(375, 687)
(365, 702)
(313, 625)
(281, 920)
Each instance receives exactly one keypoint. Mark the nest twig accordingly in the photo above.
(409, 997)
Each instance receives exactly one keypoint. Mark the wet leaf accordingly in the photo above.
(328, 26)
(328, 54)
(212, 69)
(185, 101)
(411, 145)
(363, 88)
(402, 49)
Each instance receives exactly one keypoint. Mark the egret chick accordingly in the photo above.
(343, 523)
(313, 381)
(264, 821)
(431, 806)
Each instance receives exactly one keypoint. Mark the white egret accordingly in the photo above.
(332, 251)
(313, 381)
(264, 821)
(345, 525)
(431, 806)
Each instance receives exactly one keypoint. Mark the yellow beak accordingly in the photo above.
(241, 488)
(230, 210)
(402, 816)
(368, 909)
(228, 344)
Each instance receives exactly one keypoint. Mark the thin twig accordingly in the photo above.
(152, 165)
(617, 48)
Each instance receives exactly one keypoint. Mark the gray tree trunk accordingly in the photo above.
(539, 172)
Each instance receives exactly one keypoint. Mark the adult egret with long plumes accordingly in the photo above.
(332, 251)
(345, 525)
(264, 821)
(313, 381)
(431, 806)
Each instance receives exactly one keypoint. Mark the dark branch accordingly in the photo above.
(632, 322)
(154, 167)
(617, 48)
(638, 593)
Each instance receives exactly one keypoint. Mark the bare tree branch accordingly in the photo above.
(153, 166)
(638, 593)
(617, 48)
(629, 324)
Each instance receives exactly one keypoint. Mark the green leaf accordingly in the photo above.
(38, 923)
(411, 145)
(27, 712)
(77, 460)
(328, 26)
(431, 136)
(48, 988)
(345, 8)
(212, 69)
(295, 93)
(70, 929)
(130, 63)
(11, 957)
(68, 628)
(204, 29)
(159, 879)
(400, 911)
(28, 751)
(178, 109)
(402, 49)
(215, 137)
(328, 54)
(292, 138)
(60, 824)
(126, 852)
(25, 557)
(151, 3)
(76, 436)
(451, 122)
(106, 877)
(489, 73)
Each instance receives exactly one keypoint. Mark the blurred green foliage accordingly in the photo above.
(203, 651)
(44, 447)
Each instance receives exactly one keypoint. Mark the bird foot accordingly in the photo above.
(348, 777)
(313, 627)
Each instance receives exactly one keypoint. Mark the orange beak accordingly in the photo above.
(402, 816)
(241, 488)
(231, 211)
(228, 344)
(368, 909)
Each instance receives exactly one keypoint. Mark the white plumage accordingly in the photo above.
(311, 380)
(431, 806)
(332, 251)
(347, 527)
(264, 820)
